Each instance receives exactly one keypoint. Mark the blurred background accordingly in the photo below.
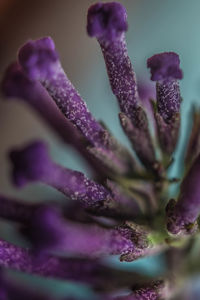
(154, 26)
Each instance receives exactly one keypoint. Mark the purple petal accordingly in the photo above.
(107, 20)
(113, 45)
(165, 66)
(39, 59)
(165, 71)
(34, 164)
(75, 269)
(40, 62)
(49, 231)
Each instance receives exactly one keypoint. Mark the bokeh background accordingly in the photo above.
(154, 26)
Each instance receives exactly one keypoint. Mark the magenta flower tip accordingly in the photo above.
(106, 20)
(30, 163)
(165, 66)
(38, 58)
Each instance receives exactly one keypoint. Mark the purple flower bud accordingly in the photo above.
(50, 232)
(40, 62)
(182, 215)
(34, 164)
(75, 269)
(22, 259)
(110, 35)
(107, 20)
(165, 71)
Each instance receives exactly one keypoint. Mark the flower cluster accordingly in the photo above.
(124, 210)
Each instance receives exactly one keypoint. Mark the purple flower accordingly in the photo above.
(106, 20)
(121, 209)
(34, 164)
(165, 66)
(165, 71)
(49, 231)
(89, 271)
(40, 61)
